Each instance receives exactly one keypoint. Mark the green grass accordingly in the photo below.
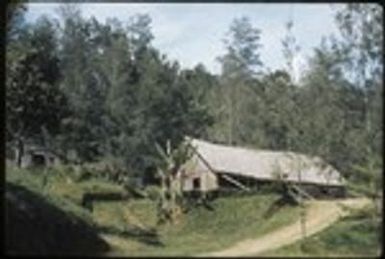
(202, 230)
(59, 183)
(36, 181)
(119, 214)
(356, 235)
(60, 189)
(74, 191)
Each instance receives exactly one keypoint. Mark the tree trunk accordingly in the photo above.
(367, 113)
(231, 121)
(175, 194)
(19, 152)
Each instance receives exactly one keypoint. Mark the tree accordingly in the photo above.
(139, 32)
(82, 84)
(360, 50)
(169, 169)
(198, 85)
(15, 19)
(275, 113)
(239, 65)
(34, 101)
(290, 48)
(361, 29)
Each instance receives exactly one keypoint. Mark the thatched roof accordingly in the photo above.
(266, 165)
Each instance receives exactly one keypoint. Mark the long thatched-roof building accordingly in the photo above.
(211, 163)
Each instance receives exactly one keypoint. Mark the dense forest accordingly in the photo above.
(96, 91)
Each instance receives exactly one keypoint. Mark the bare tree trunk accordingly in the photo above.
(175, 193)
(231, 122)
(367, 110)
(173, 203)
(19, 152)
(163, 197)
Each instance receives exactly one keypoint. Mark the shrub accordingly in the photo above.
(153, 192)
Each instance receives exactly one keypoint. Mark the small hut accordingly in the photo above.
(212, 166)
(35, 155)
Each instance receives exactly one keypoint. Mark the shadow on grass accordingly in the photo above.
(148, 237)
(35, 226)
(278, 205)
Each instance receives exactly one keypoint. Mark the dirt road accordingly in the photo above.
(319, 215)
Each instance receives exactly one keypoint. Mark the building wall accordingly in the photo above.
(195, 171)
(209, 181)
(26, 160)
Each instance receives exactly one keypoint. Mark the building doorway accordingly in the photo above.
(196, 183)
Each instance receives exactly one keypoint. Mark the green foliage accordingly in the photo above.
(33, 71)
(120, 108)
(329, 113)
(290, 47)
(153, 192)
(242, 45)
(15, 11)
(240, 64)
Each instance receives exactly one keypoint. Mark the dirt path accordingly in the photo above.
(320, 214)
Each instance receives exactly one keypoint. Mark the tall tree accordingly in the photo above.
(34, 101)
(15, 18)
(290, 48)
(362, 33)
(240, 64)
(82, 85)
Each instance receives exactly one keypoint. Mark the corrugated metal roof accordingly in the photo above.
(267, 165)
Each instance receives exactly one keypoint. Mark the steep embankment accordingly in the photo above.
(319, 215)
(35, 226)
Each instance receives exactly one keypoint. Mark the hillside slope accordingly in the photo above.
(229, 220)
(35, 226)
(320, 214)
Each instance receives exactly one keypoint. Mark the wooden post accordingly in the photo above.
(303, 224)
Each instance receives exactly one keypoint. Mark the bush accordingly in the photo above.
(153, 192)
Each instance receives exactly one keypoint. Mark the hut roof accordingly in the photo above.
(267, 165)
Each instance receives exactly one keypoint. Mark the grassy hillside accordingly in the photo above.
(130, 225)
(36, 226)
(201, 230)
(355, 235)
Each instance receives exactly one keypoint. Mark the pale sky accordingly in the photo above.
(193, 33)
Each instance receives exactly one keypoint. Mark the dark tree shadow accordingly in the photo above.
(35, 226)
(146, 236)
(284, 200)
